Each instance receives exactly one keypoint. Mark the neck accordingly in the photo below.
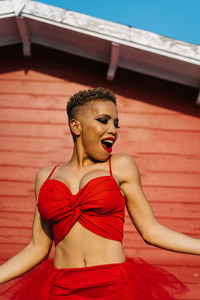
(79, 158)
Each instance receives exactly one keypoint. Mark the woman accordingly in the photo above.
(80, 205)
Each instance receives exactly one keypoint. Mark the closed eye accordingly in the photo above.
(105, 121)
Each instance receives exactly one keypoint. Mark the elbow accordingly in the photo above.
(147, 239)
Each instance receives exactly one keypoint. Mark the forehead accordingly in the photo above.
(99, 106)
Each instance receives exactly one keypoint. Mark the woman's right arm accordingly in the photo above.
(39, 247)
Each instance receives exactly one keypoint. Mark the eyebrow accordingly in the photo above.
(107, 116)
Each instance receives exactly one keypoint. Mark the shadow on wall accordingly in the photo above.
(129, 84)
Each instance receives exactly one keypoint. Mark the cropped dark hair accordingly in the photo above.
(84, 96)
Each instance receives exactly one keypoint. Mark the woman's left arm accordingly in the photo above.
(143, 217)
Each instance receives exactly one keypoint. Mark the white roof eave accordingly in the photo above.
(136, 49)
(111, 31)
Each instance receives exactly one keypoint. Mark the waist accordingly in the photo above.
(96, 253)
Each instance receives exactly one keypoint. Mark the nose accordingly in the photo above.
(112, 129)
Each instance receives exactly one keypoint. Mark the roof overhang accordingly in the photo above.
(26, 22)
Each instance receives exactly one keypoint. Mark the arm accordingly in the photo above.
(37, 249)
(142, 215)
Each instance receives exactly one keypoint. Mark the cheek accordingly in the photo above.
(92, 135)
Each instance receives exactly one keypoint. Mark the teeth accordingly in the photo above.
(108, 141)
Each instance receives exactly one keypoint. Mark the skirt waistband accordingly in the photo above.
(95, 267)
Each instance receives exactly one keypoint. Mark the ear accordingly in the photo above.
(75, 127)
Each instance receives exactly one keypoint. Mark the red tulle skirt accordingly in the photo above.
(132, 280)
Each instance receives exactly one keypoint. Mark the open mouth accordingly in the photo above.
(107, 144)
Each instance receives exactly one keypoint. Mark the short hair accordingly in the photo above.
(84, 96)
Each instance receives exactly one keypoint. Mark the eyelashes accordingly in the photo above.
(105, 121)
(117, 125)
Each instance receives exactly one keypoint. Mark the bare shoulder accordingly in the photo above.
(41, 176)
(124, 166)
(43, 173)
(123, 160)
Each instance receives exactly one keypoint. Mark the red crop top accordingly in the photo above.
(99, 206)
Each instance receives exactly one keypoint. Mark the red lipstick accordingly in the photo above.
(107, 143)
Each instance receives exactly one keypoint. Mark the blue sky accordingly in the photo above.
(179, 19)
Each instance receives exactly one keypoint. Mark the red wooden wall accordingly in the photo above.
(159, 127)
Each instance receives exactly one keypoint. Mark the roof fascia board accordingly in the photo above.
(6, 9)
(118, 41)
(113, 32)
(11, 7)
(7, 15)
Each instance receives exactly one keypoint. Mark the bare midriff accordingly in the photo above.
(83, 248)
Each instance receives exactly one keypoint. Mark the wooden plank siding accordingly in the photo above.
(160, 128)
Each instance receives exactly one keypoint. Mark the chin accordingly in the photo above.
(100, 157)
